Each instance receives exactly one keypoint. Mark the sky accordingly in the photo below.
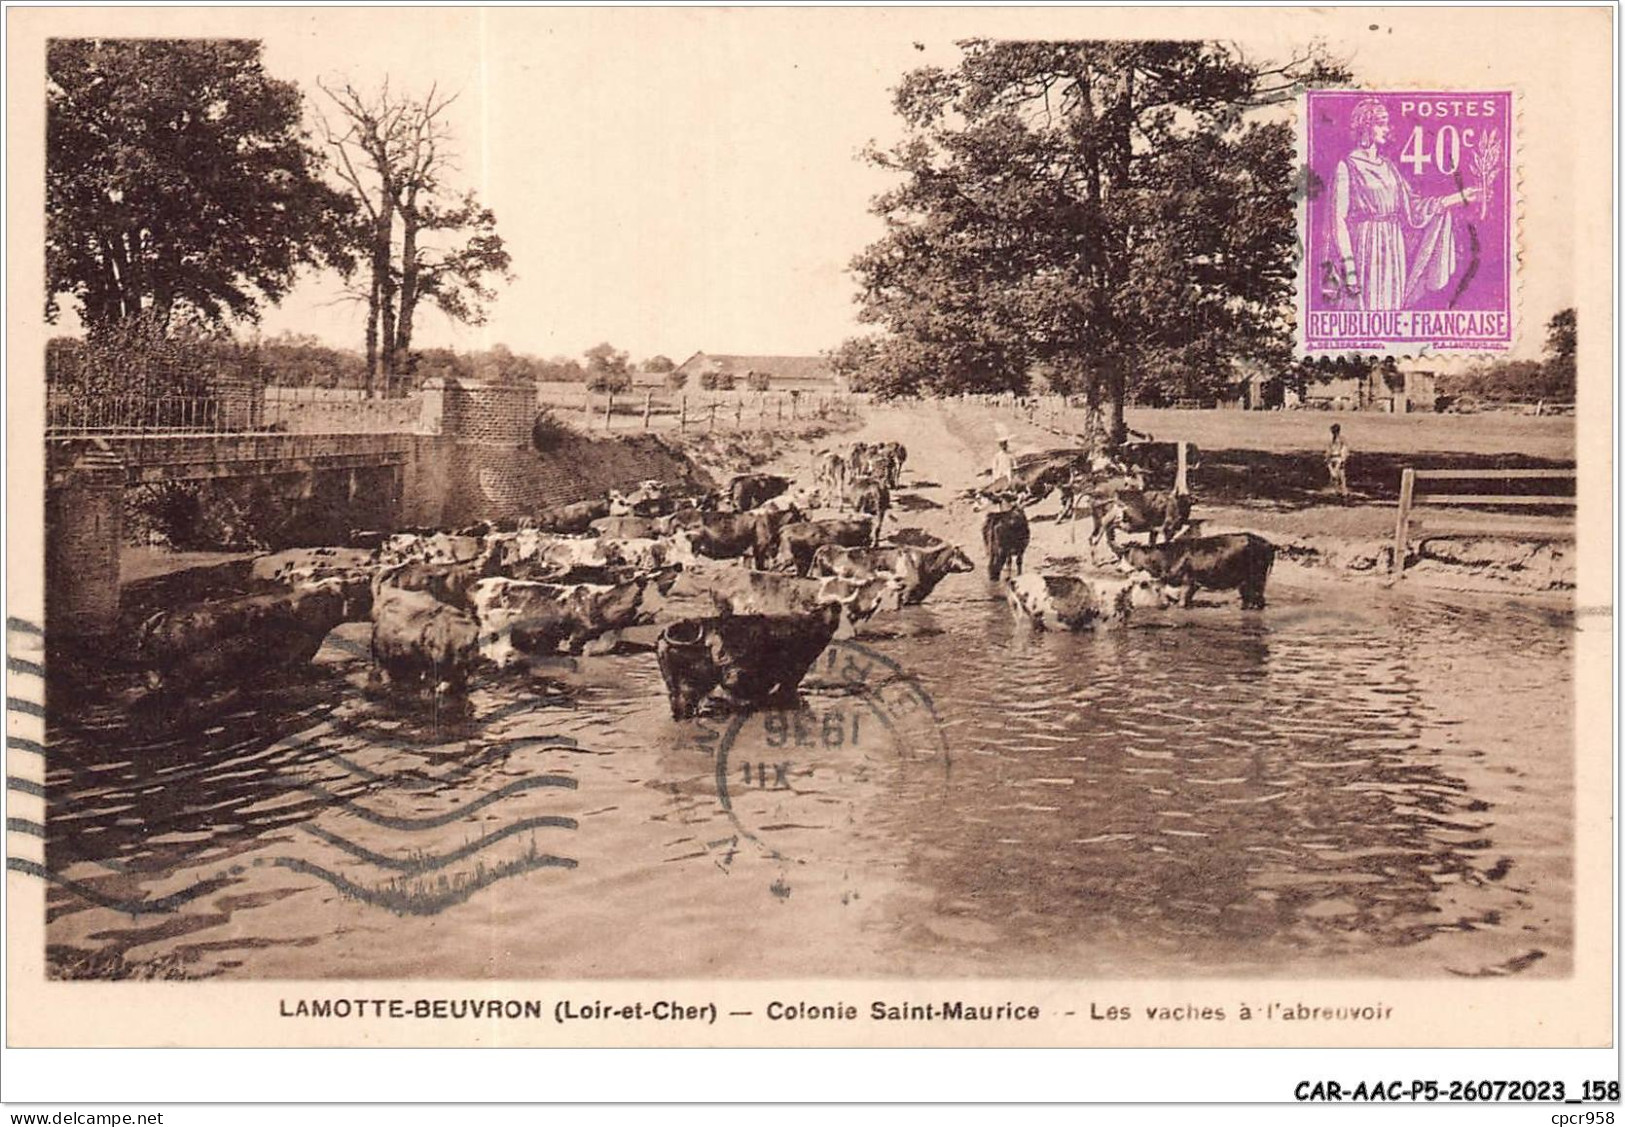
(667, 185)
(672, 180)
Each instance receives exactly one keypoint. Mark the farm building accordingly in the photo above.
(1399, 388)
(786, 373)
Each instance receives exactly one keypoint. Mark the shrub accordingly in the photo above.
(547, 431)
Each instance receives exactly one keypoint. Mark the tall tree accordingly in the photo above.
(178, 180)
(1107, 209)
(420, 240)
(1561, 342)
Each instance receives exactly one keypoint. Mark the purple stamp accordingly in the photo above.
(1408, 222)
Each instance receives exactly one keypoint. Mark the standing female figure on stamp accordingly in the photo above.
(1373, 206)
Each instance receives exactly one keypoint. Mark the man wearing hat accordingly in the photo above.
(1337, 461)
(1004, 462)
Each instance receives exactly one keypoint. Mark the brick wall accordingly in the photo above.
(489, 415)
(487, 482)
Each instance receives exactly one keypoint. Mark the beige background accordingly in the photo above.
(1558, 61)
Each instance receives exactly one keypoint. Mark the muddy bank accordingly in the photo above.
(1279, 495)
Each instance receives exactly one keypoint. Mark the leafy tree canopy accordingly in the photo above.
(1108, 209)
(178, 179)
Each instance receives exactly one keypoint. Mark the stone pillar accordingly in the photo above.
(432, 406)
(84, 530)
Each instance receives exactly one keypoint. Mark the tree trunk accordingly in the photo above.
(1116, 396)
(372, 336)
(381, 326)
(409, 287)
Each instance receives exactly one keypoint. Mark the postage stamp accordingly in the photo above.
(1408, 222)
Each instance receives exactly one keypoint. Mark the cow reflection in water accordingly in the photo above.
(751, 660)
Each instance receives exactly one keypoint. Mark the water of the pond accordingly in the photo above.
(1349, 783)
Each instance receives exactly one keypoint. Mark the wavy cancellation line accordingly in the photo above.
(429, 899)
(418, 864)
(395, 822)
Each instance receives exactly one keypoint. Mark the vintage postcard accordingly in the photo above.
(827, 527)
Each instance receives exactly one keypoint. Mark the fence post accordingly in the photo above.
(609, 405)
(713, 425)
(739, 412)
(1180, 486)
(648, 399)
(682, 413)
(781, 408)
(586, 407)
(1407, 487)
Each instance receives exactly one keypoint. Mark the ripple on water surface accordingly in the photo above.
(1308, 791)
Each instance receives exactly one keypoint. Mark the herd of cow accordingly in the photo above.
(746, 587)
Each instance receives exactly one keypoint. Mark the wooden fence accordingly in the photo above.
(1409, 497)
(645, 410)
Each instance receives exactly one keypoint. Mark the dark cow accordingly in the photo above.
(798, 542)
(649, 499)
(520, 616)
(1036, 476)
(917, 571)
(419, 642)
(1239, 560)
(1005, 535)
(234, 639)
(914, 538)
(869, 495)
(749, 490)
(753, 660)
(897, 453)
(1158, 462)
(883, 461)
(726, 536)
(1137, 510)
(576, 518)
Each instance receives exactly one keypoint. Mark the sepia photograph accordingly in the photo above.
(810, 526)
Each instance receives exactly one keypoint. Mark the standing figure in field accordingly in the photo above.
(1004, 462)
(1337, 461)
(1372, 209)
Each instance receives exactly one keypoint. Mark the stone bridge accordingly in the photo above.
(466, 455)
(87, 479)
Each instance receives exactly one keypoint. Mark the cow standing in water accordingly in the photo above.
(869, 495)
(1240, 561)
(1005, 535)
(752, 660)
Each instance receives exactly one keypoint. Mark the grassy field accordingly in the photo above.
(1547, 439)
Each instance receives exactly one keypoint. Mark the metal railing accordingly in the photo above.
(141, 414)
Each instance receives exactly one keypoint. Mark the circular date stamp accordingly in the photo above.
(864, 727)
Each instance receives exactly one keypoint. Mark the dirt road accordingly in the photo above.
(951, 445)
